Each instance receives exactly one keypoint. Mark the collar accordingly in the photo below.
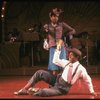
(55, 24)
(75, 63)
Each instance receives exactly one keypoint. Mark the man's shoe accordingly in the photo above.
(21, 92)
(32, 90)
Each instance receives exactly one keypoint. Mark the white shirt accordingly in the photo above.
(80, 73)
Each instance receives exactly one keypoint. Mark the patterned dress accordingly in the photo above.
(54, 34)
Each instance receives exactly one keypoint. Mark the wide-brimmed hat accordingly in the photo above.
(76, 51)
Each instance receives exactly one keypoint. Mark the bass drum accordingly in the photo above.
(76, 43)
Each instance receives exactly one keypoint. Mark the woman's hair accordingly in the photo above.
(52, 14)
(55, 12)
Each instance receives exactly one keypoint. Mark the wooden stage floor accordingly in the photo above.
(10, 84)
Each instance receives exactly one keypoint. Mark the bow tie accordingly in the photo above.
(70, 65)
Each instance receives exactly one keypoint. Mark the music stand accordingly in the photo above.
(30, 37)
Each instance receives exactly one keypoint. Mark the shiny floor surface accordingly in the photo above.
(10, 84)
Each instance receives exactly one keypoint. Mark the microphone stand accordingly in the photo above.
(87, 49)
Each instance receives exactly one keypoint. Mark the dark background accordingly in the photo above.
(83, 15)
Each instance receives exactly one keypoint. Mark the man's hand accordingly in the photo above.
(58, 47)
(94, 94)
(59, 44)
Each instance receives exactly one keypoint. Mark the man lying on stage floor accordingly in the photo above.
(63, 82)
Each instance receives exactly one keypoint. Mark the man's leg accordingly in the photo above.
(38, 76)
(47, 92)
(60, 88)
(41, 75)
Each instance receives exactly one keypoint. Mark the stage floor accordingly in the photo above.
(10, 84)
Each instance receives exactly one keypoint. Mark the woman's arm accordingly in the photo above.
(69, 29)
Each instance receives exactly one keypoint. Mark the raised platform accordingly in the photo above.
(25, 70)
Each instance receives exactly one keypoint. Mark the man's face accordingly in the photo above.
(72, 57)
(54, 19)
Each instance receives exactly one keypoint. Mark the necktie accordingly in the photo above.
(69, 78)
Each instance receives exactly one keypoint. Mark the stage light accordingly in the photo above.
(2, 16)
(3, 9)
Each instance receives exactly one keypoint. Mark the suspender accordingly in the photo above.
(67, 64)
(74, 71)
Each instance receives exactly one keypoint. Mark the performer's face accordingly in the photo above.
(54, 19)
(72, 57)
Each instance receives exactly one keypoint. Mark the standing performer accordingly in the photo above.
(54, 33)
